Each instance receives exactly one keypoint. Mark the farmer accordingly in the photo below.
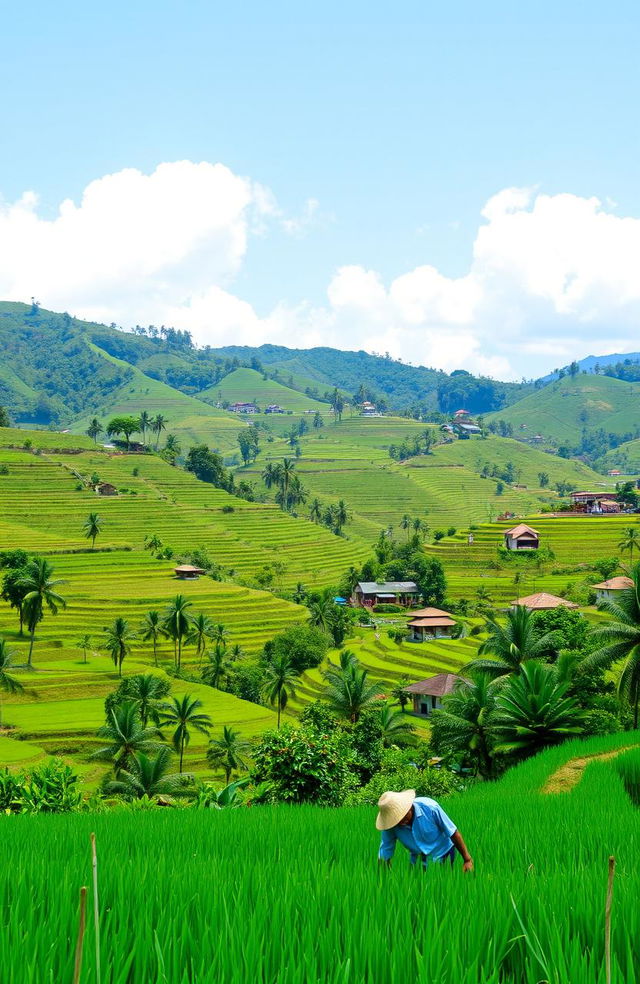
(422, 826)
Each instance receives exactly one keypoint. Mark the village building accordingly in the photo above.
(595, 503)
(427, 694)
(274, 408)
(105, 488)
(610, 589)
(243, 408)
(614, 472)
(370, 593)
(521, 537)
(430, 623)
(467, 429)
(461, 415)
(542, 602)
(187, 572)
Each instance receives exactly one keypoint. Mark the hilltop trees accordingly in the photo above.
(125, 425)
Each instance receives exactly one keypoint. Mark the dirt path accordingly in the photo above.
(570, 774)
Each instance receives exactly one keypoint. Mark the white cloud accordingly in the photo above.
(551, 277)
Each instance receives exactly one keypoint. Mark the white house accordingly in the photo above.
(610, 589)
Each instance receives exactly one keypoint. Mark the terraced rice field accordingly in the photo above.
(574, 541)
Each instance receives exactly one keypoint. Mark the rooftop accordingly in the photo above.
(618, 583)
(435, 686)
(380, 587)
(520, 530)
(543, 601)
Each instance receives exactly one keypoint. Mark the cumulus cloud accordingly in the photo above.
(551, 276)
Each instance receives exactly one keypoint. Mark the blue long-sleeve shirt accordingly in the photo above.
(430, 833)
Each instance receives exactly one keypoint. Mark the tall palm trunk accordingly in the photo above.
(181, 750)
(155, 651)
(279, 709)
(29, 658)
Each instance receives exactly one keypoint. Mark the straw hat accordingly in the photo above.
(393, 807)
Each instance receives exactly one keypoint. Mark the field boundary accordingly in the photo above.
(569, 775)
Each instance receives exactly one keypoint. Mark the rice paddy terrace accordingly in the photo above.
(294, 894)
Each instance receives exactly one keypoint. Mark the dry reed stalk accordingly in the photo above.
(96, 910)
(77, 967)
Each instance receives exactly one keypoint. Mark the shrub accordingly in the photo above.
(426, 782)
(451, 531)
(438, 535)
(387, 609)
(304, 766)
(4, 469)
(228, 509)
(48, 788)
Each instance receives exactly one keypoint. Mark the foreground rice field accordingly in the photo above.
(293, 895)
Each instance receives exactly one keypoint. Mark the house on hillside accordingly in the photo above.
(243, 408)
(466, 430)
(187, 572)
(370, 593)
(427, 694)
(542, 602)
(521, 537)
(368, 409)
(274, 408)
(595, 503)
(461, 415)
(610, 589)
(430, 623)
(105, 488)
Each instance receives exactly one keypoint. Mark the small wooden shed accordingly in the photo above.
(187, 572)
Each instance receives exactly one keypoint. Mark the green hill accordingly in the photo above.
(562, 410)
(248, 386)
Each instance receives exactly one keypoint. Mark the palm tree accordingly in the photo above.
(630, 541)
(147, 691)
(405, 524)
(84, 643)
(286, 477)
(7, 681)
(172, 445)
(350, 692)
(184, 713)
(144, 423)
(216, 667)
(271, 474)
(228, 752)
(533, 711)
(620, 640)
(321, 612)
(147, 775)
(118, 639)
(92, 527)
(394, 725)
(315, 512)
(39, 584)
(220, 635)
(340, 516)
(200, 632)
(296, 495)
(126, 736)
(152, 628)
(279, 683)
(176, 625)
(512, 644)
(463, 724)
(158, 424)
(94, 429)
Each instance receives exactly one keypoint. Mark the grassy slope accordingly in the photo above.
(561, 410)
(248, 386)
(191, 420)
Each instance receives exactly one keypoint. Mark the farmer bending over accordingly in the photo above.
(422, 826)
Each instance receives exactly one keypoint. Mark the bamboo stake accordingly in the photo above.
(607, 920)
(96, 911)
(77, 968)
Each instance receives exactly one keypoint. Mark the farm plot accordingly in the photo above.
(273, 875)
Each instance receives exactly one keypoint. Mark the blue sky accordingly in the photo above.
(401, 121)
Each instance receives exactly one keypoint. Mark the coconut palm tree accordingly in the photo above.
(405, 524)
(152, 628)
(176, 624)
(144, 423)
(220, 635)
(619, 640)
(92, 527)
(228, 752)
(184, 713)
(172, 445)
(216, 667)
(94, 429)
(279, 683)
(463, 724)
(84, 643)
(533, 711)
(271, 474)
(39, 584)
(394, 725)
(147, 692)
(340, 516)
(630, 541)
(321, 612)
(147, 775)
(200, 633)
(287, 469)
(315, 512)
(512, 644)
(118, 639)
(350, 692)
(158, 424)
(126, 736)
(8, 682)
